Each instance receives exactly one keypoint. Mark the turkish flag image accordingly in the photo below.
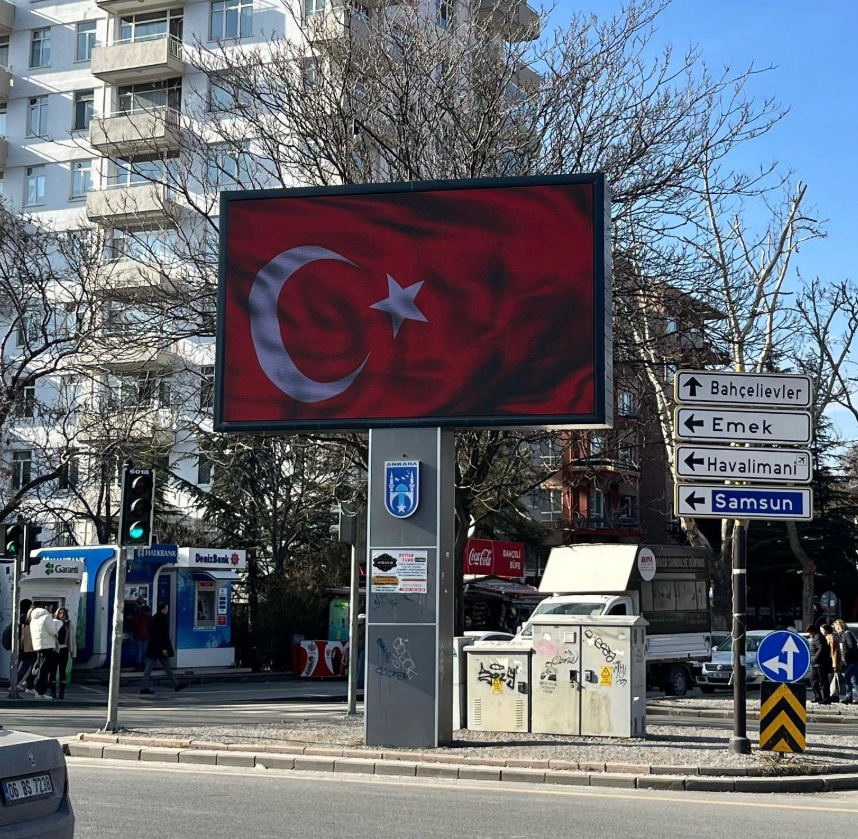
(456, 305)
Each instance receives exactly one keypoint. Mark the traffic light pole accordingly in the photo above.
(16, 629)
(112, 722)
(739, 742)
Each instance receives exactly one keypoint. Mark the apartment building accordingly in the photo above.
(97, 99)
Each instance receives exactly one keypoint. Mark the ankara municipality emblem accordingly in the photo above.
(401, 487)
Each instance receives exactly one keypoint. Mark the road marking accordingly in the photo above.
(379, 780)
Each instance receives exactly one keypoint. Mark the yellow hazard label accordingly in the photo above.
(497, 685)
(606, 677)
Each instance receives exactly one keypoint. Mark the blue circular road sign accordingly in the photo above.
(783, 656)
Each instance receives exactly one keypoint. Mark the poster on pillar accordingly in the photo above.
(399, 572)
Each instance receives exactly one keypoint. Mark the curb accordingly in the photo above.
(825, 717)
(831, 777)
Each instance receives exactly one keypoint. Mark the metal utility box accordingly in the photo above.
(499, 687)
(589, 675)
(460, 681)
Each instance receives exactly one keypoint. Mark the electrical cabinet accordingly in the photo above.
(499, 686)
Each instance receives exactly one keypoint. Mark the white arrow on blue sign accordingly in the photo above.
(725, 501)
(783, 656)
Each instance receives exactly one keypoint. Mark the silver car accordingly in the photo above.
(718, 672)
(34, 789)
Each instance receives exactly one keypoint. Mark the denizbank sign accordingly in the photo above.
(224, 559)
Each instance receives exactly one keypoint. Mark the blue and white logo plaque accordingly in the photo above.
(401, 487)
(783, 656)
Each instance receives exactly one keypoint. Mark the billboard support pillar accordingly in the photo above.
(408, 691)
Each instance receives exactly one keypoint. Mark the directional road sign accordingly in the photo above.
(779, 466)
(784, 656)
(722, 501)
(741, 425)
(763, 390)
(783, 717)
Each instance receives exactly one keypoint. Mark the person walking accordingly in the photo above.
(140, 632)
(159, 648)
(821, 666)
(833, 642)
(43, 631)
(26, 655)
(849, 648)
(66, 649)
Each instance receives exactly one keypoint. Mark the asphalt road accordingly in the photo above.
(127, 801)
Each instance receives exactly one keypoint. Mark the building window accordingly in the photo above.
(151, 26)
(627, 455)
(150, 96)
(313, 7)
(2, 120)
(70, 474)
(204, 470)
(597, 503)
(40, 49)
(207, 380)
(547, 505)
(443, 13)
(597, 445)
(81, 178)
(64, 535)
(626, 404)
(628, 509)
(224, 96)
(22, 469)
(230, 19)
(35, 193)
(359, 12)
(4, 51)
(24, 404)
(227, 167)
(85, 40)
(84, 105)
(37, 122)
(549, 453)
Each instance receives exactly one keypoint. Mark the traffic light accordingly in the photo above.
(345, 530)
(13, 540)
(32, 543)
(138, 503)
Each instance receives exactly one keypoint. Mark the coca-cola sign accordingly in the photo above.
(498, 559)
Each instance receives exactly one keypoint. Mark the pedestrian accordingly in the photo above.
(833, 641)
(26, 655)
(140, 632)
(43, 631)
(821, 666)
(849, 649)
(66, 649)
(159, 648)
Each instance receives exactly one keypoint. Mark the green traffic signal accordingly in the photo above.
(137, 530)
(138, 492)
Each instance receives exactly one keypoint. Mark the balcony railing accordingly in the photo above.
(613, 521)
(131, 61)
(126, 204)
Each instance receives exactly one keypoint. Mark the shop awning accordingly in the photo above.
(218, 575)
(496, 587)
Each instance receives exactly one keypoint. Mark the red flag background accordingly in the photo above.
(508, 295)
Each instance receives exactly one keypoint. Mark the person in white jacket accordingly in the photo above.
(43, 632)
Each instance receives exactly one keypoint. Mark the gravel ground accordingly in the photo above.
(664, 744)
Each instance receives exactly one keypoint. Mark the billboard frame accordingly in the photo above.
(602, 417)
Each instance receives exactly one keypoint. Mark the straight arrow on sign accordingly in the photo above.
(724, 387)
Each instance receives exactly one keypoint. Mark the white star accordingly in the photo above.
(399, 303)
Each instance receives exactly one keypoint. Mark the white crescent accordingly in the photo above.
(273, 356)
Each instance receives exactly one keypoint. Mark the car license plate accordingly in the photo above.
(19, 790)
(719, 675)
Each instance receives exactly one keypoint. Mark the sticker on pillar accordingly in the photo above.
(401, 487)
(399, 572)
(606, 677)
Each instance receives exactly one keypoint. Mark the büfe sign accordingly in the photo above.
(477, 303)
(499, 559)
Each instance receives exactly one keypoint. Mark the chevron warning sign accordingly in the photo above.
(783, 717)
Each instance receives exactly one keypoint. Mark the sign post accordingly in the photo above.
(784, 658)
(742, 408)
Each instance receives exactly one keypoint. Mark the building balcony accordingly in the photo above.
(527, 80)
(145, 422)
(131, 350)
(511, 20)
(602, 464)
(132, 62)
(623, 522)
(5, 84)
(130, 280)
(143, 131)
(128, 7)
(125, 206)
(336, 25)
(4, 151)
(7, 17)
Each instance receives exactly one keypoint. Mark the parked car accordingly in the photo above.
(34, 787)
(717, 673)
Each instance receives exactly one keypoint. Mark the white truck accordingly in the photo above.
(668, 585)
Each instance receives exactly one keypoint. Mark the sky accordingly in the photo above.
(812, 46)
